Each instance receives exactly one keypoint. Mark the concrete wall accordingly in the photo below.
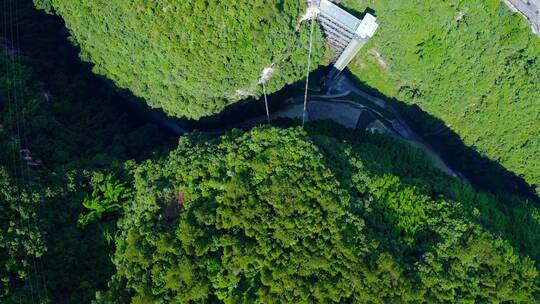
(530, 9)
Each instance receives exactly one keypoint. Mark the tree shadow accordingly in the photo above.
(481, 171)
(51, 51)
(78, 123)
(235, 115)
(506, 216)
(87, 110)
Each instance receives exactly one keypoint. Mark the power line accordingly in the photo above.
(266, 103)
(13, 86)
(308, 71)
(18, 47)
(13, 80)
(13, 118)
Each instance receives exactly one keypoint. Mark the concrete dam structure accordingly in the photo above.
(345, 33)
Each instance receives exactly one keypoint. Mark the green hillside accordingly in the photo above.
(68, 122)
(284, 216)
(471, 63)
(191, 58)
(101, 203)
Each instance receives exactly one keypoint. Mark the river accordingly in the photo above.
(345, 100)
(340, 101)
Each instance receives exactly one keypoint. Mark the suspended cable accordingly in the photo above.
(18, 47)
(308, 71)
(14, 115)
(8, 82)
(266, 103)
(13, 120)
(266, 74)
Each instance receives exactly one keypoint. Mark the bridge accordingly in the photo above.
(345, 33)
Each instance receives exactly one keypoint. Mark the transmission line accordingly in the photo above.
(308, 71)
(266, 103)
(13, 81)
(10, 82)
(18, 47)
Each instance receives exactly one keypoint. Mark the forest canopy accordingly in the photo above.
(473, 64)
(285, 216)
(59, 128)
(93, 199)
(191, 58)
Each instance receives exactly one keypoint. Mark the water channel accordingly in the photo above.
(339, 100)
(44, 39)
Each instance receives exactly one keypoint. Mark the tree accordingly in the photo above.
(107, 197)
(277, 215)
(474, 67)
(21, 241)
(192, 58)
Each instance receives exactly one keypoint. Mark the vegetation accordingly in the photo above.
(107, 197)
(277, 215)
(74, 132)
(21, 243)
(94, 205)
(191, 58)
(473, 64)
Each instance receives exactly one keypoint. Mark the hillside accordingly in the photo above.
(191, 58)
(283, 215)
(472, 64)
(53, 110)
(100, 203)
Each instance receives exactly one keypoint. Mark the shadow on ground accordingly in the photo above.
(481, 171)
(44, 41)
(503, 215)
(50, 50)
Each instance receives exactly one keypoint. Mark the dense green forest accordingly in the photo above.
(473, 64)
(69, 127)
(471, 67)
(39, 196)
(20, 240)
(287, 216)
(191, 58)
(99, 205)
